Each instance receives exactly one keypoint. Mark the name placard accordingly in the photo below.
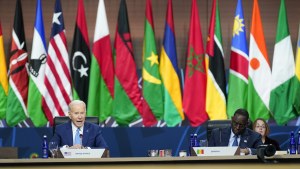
(82, 153)
(215, 151)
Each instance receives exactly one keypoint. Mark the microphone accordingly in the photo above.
(81, 135)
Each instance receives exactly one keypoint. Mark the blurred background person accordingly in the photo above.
(262, 127)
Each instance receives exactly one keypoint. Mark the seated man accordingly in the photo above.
(237, 135)
(77, 133)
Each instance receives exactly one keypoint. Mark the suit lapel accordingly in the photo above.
(85, 133)
(244, 139)
(69, 134)
(225, 136)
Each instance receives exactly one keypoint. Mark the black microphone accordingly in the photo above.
(81, 135)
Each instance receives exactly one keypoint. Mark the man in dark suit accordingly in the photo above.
(237, 135)
(77, 133)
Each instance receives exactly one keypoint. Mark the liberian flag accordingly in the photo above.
(284, 81)
(18, 77)
(57, 72)
(216, 82)
(169, 73)
(101, 90)
(259, 70)
(37, 66)
(239, 62)
(195, 73)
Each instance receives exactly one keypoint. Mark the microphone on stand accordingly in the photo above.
(80, 135)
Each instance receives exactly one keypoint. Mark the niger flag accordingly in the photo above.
(216, 83)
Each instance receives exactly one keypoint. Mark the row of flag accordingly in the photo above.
(41, 87)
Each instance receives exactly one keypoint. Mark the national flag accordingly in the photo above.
(297, 73)
(18, 77)
(152, 85)
(239, 62)
(128, 103)
(283, 87)
(101, 89)
(169, 73)
(216, 82)
(195, 73)
(36, 69)
(259, 70)
(57, 72)
(80, 57)
(3, 79)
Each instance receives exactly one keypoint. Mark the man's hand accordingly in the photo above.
(245, 151)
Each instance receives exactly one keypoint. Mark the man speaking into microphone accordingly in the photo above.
(77, 133)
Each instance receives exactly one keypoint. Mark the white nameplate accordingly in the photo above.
(215, 151)
(82, 153)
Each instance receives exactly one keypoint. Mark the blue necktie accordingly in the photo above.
(77, 137)
(235, 142)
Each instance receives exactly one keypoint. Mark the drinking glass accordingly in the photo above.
(53, 148)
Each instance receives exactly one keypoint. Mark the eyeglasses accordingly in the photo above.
(263, 127)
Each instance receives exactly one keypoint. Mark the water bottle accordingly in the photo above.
(45, 147)
(192, 144)
(298, 144)
(196, 143)
(292, 144)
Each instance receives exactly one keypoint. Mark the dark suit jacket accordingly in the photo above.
(249, 139)
(91, 136)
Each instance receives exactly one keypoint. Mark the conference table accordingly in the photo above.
(224, 162)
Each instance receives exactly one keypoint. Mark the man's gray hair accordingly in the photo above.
(77, 102)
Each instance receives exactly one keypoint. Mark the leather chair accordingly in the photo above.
(63, 119)
(212, 124)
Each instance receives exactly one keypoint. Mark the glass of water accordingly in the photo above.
(53, 148)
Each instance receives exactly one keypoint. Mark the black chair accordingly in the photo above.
(212, 124)
(63, 119)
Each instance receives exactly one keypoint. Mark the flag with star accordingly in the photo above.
(57, 71)
(239, 62)
(216, 82)
(3, 79)
(173, 113)
(80, 57)
(37, 65)
(18, 78)
(283, 87)
(128, 103)
(101, 91)
(259, 70)
(195, 73)
(152, 85)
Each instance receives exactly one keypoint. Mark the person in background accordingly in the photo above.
(77, 133)
(262, 127)
(237, 135)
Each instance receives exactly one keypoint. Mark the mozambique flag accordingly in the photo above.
(238, 73)
(195, 73)
(169, 73)
(37, 70)
(80, 57)
(3, 79)
(18, 78)
(259, 70)
(101, 91)
(216, 82)
(152, 85)
(128, 104)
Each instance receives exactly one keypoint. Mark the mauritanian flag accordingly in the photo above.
(216, 82)
(169, 73)
(3, 78)
(238, 72)
(152, 84)
(259, 70)
(80, 57)
(195, 73)
(36, 68)
(128, 103)
(283, 87)
(101, 90)
(18, 78)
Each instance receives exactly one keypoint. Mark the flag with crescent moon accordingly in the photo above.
(80, 57)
